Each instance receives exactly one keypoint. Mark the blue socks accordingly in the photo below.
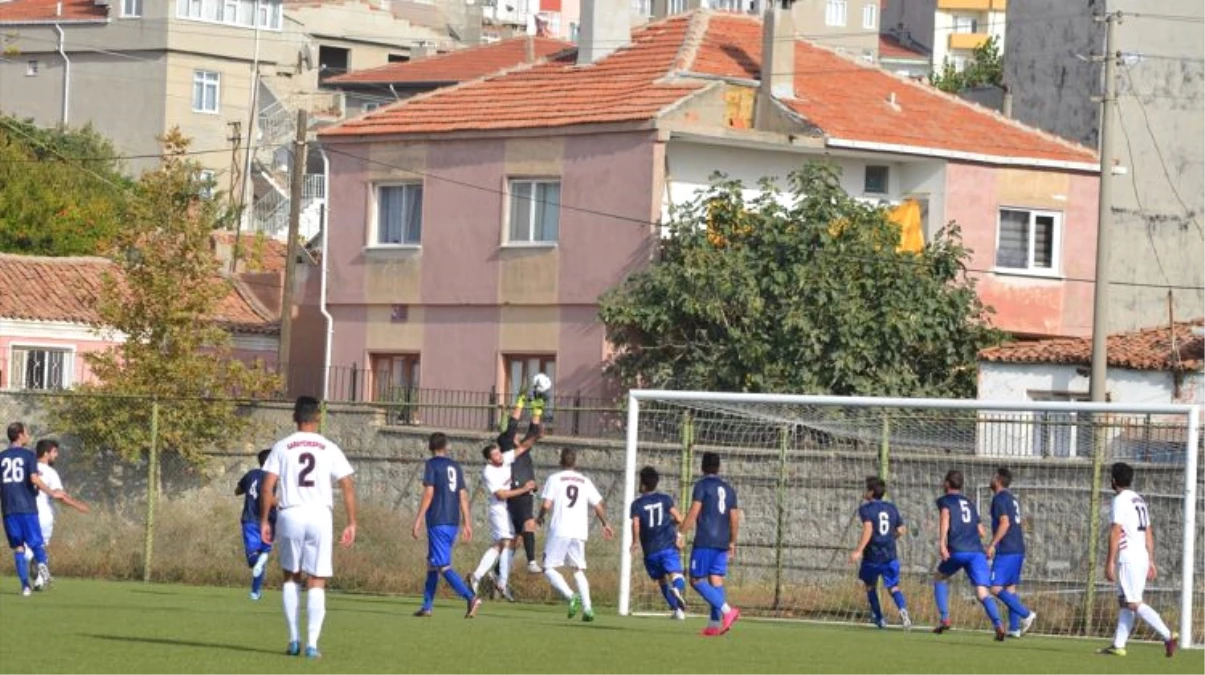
(429, 589)
(39, 554)
(713, 595)
(898, 596)
(941, 595)
(993, 613)
(669, 596)
(1016, 610)
(22, 567)
(680, 584)
(875, 608)
(457, 584)
(257, 582)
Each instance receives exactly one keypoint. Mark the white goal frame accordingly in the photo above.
(1191, 412)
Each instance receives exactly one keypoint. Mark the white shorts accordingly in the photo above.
(47, 529)
(500, 524)
(559, 551)
(304, 538)
(1131, 580)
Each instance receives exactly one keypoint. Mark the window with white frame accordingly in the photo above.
(835, 12)
(642, 8)
(726, 5)
(875, 181)
(677, 6)
(232, 12)
(31, 68)
(1028, 241)
(208, 180)
(966, 24)
(870, 16)
(535, 211)
(399, 215)
(131, 8)
(42, 368)
(206, 86)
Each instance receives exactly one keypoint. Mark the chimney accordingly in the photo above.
(529, 49)
(606, 26)
(778, 51)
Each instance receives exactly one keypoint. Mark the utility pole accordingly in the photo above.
(236, 141)
(296, 186)
(1097, 387)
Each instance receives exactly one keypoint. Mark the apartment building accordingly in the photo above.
(950, 30)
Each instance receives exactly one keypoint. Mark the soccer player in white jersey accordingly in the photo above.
(1132, 550)
(48, 453)
(571, 496)
(496, 479)
(304, 464)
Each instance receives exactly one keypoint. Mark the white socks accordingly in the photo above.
(28, 554)
(1125, 624)
(290, 592)
(558, 583)
(1152, 619)
(504, 568)
(315, 612)
(487, 561)
(583, 588)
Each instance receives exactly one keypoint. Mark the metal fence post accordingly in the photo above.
(355, 376)
(885, 447)
(1099, 446)
(577, 413)
(784, 435)
(152, 484)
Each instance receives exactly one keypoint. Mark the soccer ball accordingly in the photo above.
(540, 384)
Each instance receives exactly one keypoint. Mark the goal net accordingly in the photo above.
(799, 464)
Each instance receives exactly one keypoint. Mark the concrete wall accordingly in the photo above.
(852, 38)
(1017, 381)
(1026, 304)
(470, 297)
(1158, 203)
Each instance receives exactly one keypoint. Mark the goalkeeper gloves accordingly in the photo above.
(537, 406)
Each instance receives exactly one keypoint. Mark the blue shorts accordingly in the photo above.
(22, 529)
(974, 563)
(1006, 569)
(253, 545)
(706, 562)
(440, 539)
(870, 572)
(662, 563)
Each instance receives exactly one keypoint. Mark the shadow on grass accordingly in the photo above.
(183, 643)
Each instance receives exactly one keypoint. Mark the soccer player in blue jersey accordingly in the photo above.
(445, 504)
(960, 540)
(654, 528)
(19, 485)
(881, 526)
(1007, 553)
(713, 504)
(250, 488)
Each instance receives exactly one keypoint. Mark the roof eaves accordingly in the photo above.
(51, 22)
(978, 157)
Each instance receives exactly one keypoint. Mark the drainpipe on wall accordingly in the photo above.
(326, 255)
(66, 73)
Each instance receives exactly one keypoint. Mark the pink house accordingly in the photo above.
(48, 321)
(473, 228)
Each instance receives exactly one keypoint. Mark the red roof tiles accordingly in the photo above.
(458, 66)
(1147, 349)
(47, 11)
(852, 103)
(891, 48)
(40, 288)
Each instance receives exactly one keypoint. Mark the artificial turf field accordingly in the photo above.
(120, 627)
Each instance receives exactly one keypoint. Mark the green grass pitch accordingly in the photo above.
(107, 627)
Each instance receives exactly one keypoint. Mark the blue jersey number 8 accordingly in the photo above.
(723, 496)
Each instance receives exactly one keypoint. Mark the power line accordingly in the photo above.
(110, 158)
(657, 224)
(1150, 238)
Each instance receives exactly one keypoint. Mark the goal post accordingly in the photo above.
(798, 464)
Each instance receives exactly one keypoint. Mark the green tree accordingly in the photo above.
(62, 191)
(986, 68)
(812, 298)
(162, 299)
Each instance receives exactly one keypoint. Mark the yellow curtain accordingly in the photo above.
(907, 216)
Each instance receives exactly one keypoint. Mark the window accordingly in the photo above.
(395, 379)
(131, 8)
(677, 6)
(369, 107)
(876, 180)
(521, 368)
(205, 91)
(398, 58)
(39, 368)
(965, 24)
(722, 5)
(232, 12)
(535, 207)
(960, 63)
(332, 61)
(399, 215)
(208, 180)
(574, 30)
(835, 12)
(1061, 434)
(870, 15)
(642, 8)
(1028, 241)
(31, 68)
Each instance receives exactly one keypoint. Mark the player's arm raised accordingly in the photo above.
(348, 488)
(943, 533)
(428, 495)
(867, 532)
(534, 433)
(466, 516)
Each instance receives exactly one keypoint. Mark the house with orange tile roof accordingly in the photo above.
(49, 320)
(473, 228)
(1155, 365)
